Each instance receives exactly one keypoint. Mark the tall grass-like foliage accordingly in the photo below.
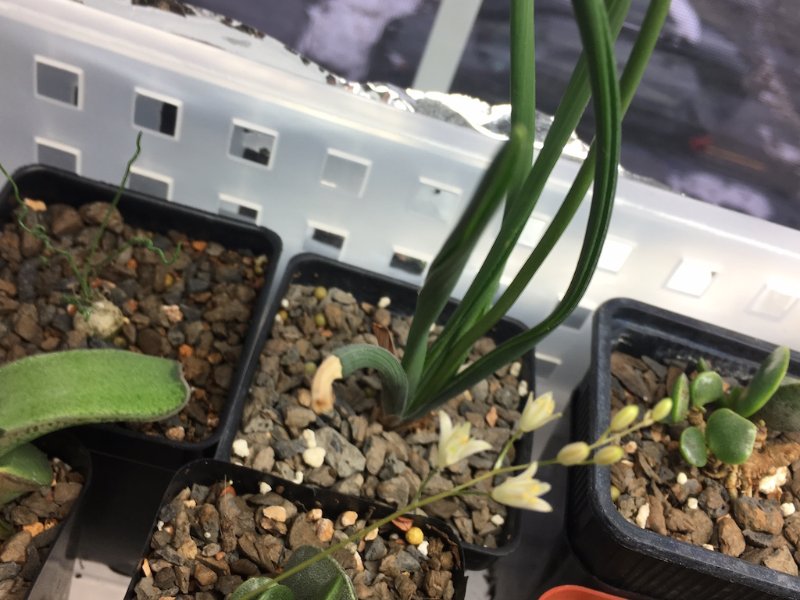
(431, 373)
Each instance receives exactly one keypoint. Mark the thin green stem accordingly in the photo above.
(431, 472)
(88, 268)
(388, 519)
(509, 443)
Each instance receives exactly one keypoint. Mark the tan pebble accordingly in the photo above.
(34, 528)
(384, 302)
(515, 369)
(190, 503)
(522, 388)
(146, 568)
(176, 434)
(643, 515)
(708, 547)
(304, 397)
(630, 447)
(348, 518)
(276, 513)
(491, 416)
(315, 514)
(371, 535)
(203, 575)
(173, 313)
(787, 509)
(324, 530)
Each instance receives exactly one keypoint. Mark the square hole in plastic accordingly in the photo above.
(57, 155)
(150, 184)
(775, 299)
(409, 264)
(437, 200)
(58, 82)
(252, 143)
(156, 113)
(238, 209)
(691, 277)
(345, 172)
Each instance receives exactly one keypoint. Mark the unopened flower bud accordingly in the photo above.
(662, 409)
(623, 419)
(608, 455)
(573, 454)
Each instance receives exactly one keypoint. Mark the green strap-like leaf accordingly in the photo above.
(693, 447)
(22, 470)
(764, 383)
(46, 392)
(482, 289)
(451, 259)
(443, 384)
(730, 436)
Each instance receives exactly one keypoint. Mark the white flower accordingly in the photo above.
(523, 491)
(455, 444)
(538, 412)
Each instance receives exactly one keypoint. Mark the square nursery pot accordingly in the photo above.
(203, 482)
(615, 551)
(50, 554)
(214, 354)
(369, 288)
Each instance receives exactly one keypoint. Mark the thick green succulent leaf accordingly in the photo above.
(323, 580)
(730, 436)
(23, 470)
(764, 383)
(703, 365)
(256, 588)
(46, 392)
(693, 447)
(782, 412)
(730, 397)
(706, 388)
(680, 399)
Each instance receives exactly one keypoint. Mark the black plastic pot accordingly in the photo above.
(52, 185)
(310, 269)
(53, 581)
(615, 551)
(244, 480)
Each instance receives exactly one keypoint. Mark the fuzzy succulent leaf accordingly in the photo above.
(782, 412)
(706, 388)
(47, 392)
(680, 399)
(764, 383)
(256, 588)
(323, 580)
(22, 470)
(730, 436)
(693, 447)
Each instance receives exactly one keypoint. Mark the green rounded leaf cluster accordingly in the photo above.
(728, 434)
